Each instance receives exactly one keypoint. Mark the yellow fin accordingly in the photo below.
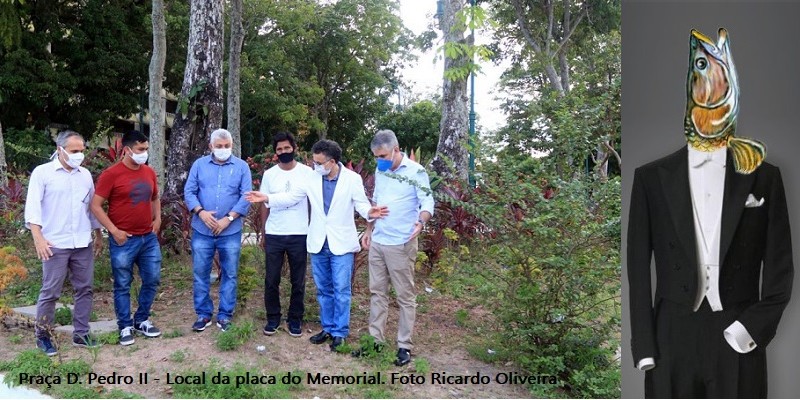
(748, 154)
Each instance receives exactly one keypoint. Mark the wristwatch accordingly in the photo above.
(230, 218)
(198, 211)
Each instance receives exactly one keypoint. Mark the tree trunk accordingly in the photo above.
(200, 104)
(156, 101)
(234, 73)
(451, 160)
(3, 165)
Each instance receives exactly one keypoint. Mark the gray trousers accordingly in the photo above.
(79, 265)
(393, 264)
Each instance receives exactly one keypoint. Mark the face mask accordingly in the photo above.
(222, 154)
(321, 170)
(74, 160)
(286, 157)
(140, 158)
(385, 164)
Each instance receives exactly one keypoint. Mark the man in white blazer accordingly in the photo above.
(332, 237)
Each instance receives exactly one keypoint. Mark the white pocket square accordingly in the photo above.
(752, 202)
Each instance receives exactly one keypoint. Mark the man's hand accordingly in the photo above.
(43, 248)
(376, 212)
(222, 223)
(208, 219)
(120, 236)
(254, 196)
(366, 239)
(417, 229)
(157, 225)
(98, 243)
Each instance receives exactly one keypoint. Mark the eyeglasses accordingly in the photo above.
(321, 164)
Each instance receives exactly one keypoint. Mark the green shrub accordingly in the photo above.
(63, 315)
(549, 269)
(237, 335)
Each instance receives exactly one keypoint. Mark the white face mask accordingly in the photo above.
(222, 154)
(321, 170)
(140, 158)
(74, 160)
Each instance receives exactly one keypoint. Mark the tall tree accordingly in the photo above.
(156, 99)
(234, 75)
(451, 160)
(200, 103)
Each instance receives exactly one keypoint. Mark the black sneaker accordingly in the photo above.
(295, 328)
(223, 324)
(403, 357)
(46, 346)
(147, 328)
(201, 324)
(126, 336)
(271, 327)
(84, 341)
(320, 338)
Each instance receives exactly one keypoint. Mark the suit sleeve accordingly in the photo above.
(639, 254)
(761, 319)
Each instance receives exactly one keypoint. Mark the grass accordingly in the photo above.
(238, 334)
(174, 333)
(16, 339)
(422, 365)
(178, 356)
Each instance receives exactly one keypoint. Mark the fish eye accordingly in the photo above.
(700, 63)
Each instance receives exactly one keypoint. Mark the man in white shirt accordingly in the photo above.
(57, 213)
(392, 241)
(285, 233)
(334, 193)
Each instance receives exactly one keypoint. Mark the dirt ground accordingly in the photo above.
(439, 339)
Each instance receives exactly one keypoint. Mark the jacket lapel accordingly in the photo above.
(675, 183)
(737, 186)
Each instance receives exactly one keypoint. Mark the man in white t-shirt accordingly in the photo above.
(285, 234)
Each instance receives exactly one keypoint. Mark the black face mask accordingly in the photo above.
(286, 157)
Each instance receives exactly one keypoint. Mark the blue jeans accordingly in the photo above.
(145, 251)
(332, 275)
(203, 248)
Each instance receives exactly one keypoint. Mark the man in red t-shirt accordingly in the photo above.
(132, 221)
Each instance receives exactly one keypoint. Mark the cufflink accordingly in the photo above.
(752, 344)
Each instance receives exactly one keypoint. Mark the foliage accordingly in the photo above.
(248, 278)
(27, 148)
(74, 65)
(11, 269)
(470, 17)
(548, 267)
(12, 206)
(237, 335)
(176, 226)
(319, 69)
(416, 127)
(63, 315)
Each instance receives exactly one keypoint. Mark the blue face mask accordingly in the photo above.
(385, 164)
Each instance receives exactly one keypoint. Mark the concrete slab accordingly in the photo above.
(30, 311)
(94, 327)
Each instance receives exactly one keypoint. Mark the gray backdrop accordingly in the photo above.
(765, 44)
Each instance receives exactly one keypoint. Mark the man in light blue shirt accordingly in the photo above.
(403, 185)
(214, 193)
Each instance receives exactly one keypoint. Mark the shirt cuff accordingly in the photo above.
(646, 364)
(738, 338)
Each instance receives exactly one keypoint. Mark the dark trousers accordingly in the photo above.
(695, 360)
(294, 247)
(78, 265)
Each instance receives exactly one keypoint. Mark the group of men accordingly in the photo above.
(309, 211)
